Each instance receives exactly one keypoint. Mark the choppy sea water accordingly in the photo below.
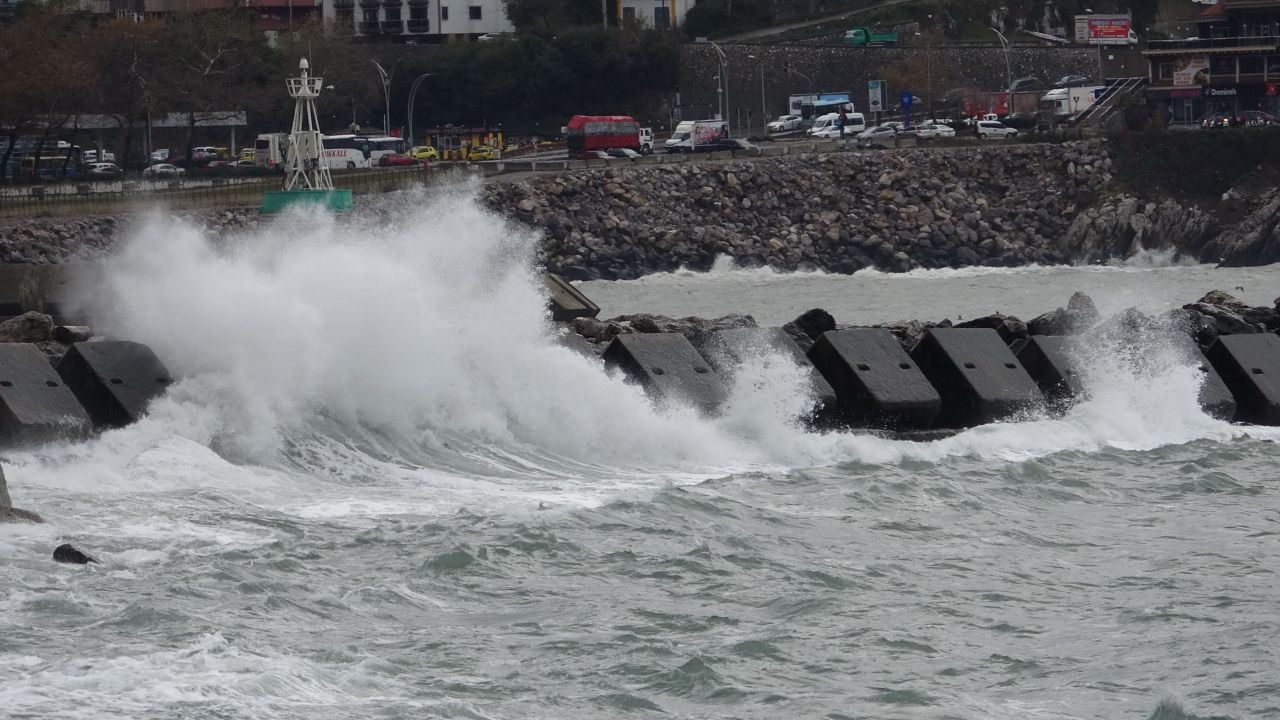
(381, 491)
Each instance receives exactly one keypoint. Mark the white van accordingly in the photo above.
(679, 137)
(828, 126)
(697, 135)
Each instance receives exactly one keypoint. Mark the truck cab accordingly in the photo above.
(864, 37)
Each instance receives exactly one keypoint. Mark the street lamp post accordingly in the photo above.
(386, 93)
(764, 113)
(1102, 79)
(808, 80)
(413, 93)
(723, 85)
(1004, 43)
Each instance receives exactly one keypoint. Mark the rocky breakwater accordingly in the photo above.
(841, 211)
(53, 240)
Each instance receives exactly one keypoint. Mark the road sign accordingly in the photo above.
(905, 99)
(875, 95)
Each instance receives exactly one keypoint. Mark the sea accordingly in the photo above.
(381, 489)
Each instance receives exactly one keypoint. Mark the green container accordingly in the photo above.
(274, 201)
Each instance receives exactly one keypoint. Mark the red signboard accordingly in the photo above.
(1273, 89)
(1104, 29)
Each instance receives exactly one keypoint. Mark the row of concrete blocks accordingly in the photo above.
(96, 385)
(953, 378)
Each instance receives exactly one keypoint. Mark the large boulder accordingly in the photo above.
(1010, 328)
(30, 327)
(809, 326)
(8, 513)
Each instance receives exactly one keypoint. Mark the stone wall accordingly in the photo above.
(839, 211)
(834, 68)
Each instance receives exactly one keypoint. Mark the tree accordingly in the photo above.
(129, 60)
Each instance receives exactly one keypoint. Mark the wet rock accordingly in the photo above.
(1010, 328)
(67, 334)
(30, 327)
(809, 326)
(1218, 297)
(68, 554)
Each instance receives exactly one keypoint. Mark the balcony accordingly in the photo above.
(393, 26)
(419, 26)
(419, 3)
(368, 28)
(392, 3)
(344, 4)
(370, 3)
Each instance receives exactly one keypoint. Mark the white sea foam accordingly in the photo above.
(415, 352)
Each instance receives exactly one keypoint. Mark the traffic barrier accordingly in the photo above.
(1250, 367)
(979, 379)
(668, 367)
(1047, 360)
(726, 350)
(114, 379)
(877, 384)
(567, 301)
(35, 405)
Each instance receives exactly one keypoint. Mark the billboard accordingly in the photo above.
(1104, 29)
(1192, 70)
(875, 95)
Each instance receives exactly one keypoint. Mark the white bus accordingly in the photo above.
(358, 151)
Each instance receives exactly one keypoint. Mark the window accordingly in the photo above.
(444, 12)
(345, 16)
(475, 12)
(393, 14)
(661, 18)
(371, 16)
(1222, 66)
(417, 13)
(1251, 65)
(1165, 71)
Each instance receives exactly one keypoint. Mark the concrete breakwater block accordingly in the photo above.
(979, 379)
(35, 404)
(1215, 397)
(567, 302)
(726, 350)
(114, 379)
(1250, 367)
(668, 367)
(877, 384)
(1047, 359)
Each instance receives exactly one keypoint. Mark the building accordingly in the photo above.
(657, 14)
(1229, 65)
(273, 15)
(418, 20)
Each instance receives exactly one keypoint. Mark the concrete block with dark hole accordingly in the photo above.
(979, 379)
(1047, 359)
(567, 302)
(877, 384)
(35, 404)
(1250, 367)
(115, 380)
(669, 368)
(726, 350)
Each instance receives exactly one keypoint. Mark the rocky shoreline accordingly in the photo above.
(841, 211)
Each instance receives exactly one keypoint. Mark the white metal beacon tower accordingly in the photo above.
(306, 178)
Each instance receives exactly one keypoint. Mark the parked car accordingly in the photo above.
(1068, 81)
(396, 160)
(878, 136)
(993, 130)
(481, 152)
(246, 154)
(1215, 120)
(161, 170)
(1025, 84)
(424, 152)
(786, 123)
(159, 156)
(1255, 118)
(729, 144)
(622, 153)
(490, 37)
(934, 130)
(105, 171)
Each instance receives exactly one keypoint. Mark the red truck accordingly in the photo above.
(585, 134)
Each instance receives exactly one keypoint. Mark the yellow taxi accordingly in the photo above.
(481, 152)
(424, 152)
